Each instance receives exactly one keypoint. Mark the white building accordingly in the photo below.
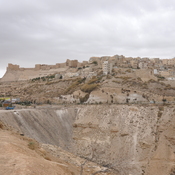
(171, 78)
(156, 71)
(143, 65)
(107, 67)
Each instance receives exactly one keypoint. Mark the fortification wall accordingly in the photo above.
(13, 67)
(68, 63)
(15, 72)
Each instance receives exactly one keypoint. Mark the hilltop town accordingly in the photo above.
(116, 113)
(107, 79)
(159, 67)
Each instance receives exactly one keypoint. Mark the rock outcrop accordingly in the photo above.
(135, 140)
(49, 126)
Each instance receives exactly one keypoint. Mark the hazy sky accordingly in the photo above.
(51, 31)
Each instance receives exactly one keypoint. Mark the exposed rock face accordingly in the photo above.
(133, 140)
(50, 126)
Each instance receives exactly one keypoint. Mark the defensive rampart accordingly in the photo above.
(16, 73)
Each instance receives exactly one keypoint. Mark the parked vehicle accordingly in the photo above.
(10, 108)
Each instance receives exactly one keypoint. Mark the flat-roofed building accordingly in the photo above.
(107, 67)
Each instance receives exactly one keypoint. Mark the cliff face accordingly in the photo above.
(49, 126)
(135, 140)
(131, 139)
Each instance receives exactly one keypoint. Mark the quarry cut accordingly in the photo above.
(131, 139)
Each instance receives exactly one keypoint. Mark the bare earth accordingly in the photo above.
(17, 159)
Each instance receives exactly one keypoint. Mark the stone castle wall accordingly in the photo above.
(16, 73)
(67, 64)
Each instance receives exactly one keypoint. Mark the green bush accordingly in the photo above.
(94, 62)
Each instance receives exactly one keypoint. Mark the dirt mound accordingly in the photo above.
(18, 157)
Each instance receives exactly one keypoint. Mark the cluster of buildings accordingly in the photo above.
(8, 101)
(162, 67)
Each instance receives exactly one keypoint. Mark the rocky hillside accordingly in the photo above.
(120, 87)
(22, 155)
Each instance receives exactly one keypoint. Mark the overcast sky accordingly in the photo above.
(51, 31)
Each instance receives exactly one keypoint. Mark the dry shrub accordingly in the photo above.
(151, 81)
(84, 99)
(159, 114)
(74, 85)
(47, 158)
(1, 126)
(161, 108)
(125, 78)
(32, 145)
(128, 71)
(89, 87)
(93, 80)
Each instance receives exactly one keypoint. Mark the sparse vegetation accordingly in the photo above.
(160, 78)
(89, 87)
(115, 81)
(164, 100)
(1, 126)
(128, 71)
(95, 62)
(91, 84)
(125, 78)
(139, 79)
(45, 78)
(152, 81)
(93, 80)
(24, 103)
(74, 85)
(84, 99)
(32, 145)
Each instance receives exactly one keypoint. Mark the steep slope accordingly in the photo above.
(135, 140)
(50, 126)
(17, 158)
